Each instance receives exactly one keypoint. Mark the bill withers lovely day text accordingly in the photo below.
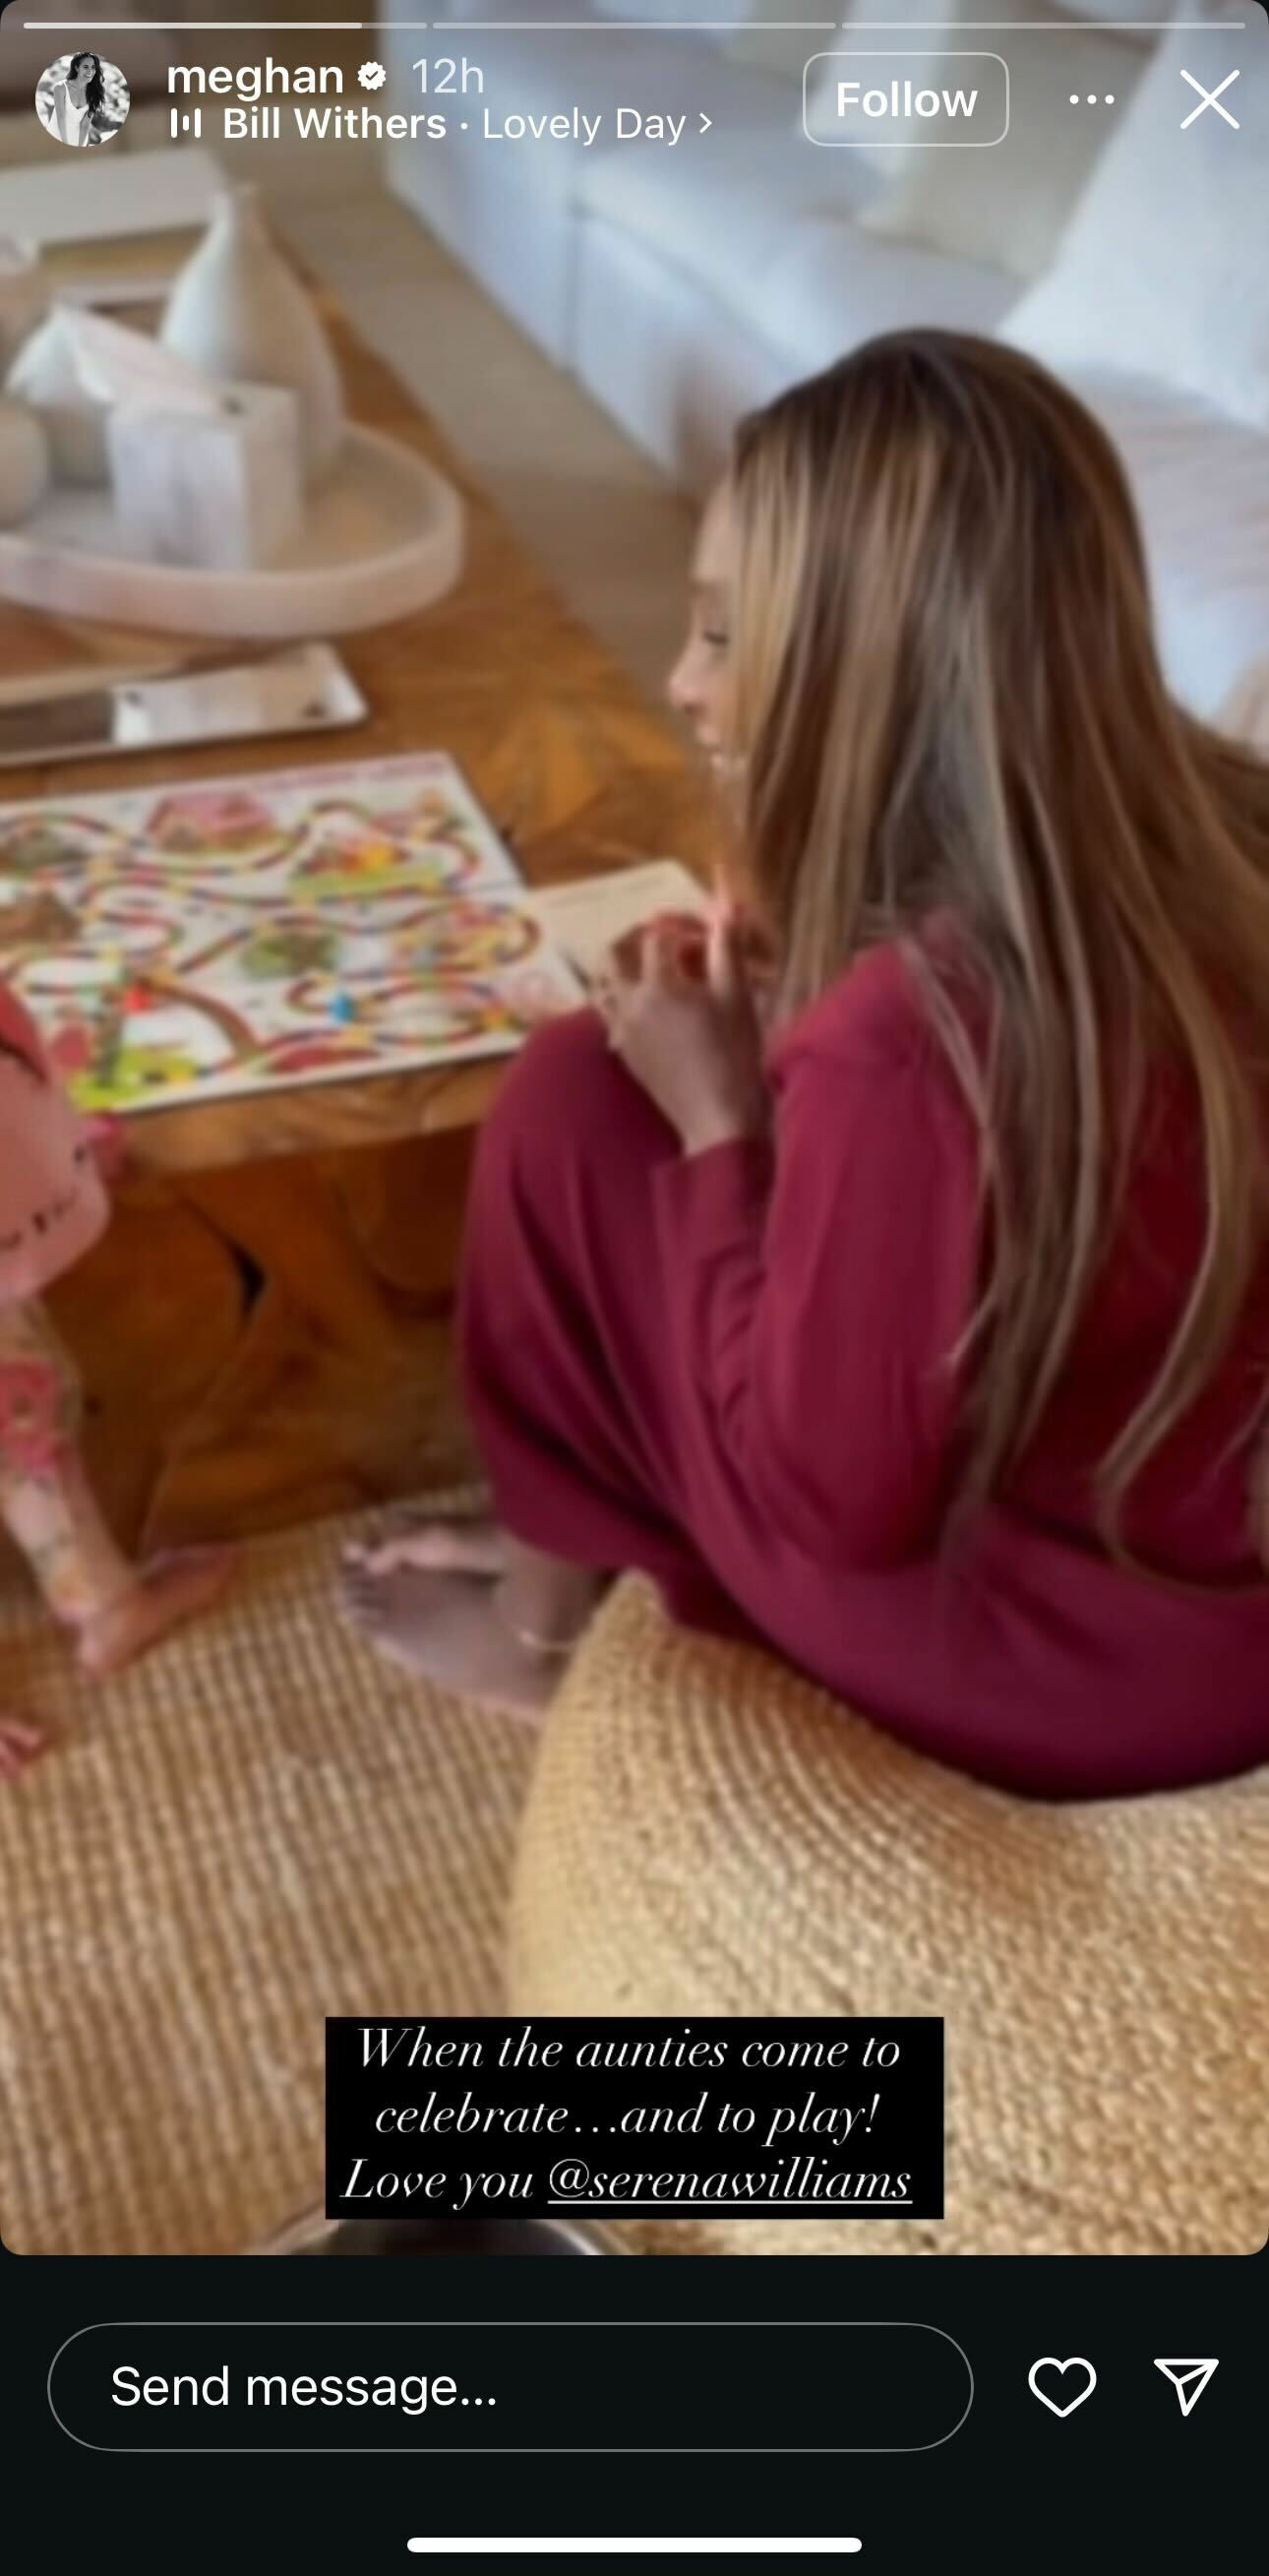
(429, 102)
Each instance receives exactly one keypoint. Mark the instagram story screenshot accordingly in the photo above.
(634, 1282)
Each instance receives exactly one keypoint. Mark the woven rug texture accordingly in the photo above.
(259, 1824)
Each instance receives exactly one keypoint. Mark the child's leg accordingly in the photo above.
(46, 1502)
(49, 1508)
(32, 1414)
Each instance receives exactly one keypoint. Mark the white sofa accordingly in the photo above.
(683, 286)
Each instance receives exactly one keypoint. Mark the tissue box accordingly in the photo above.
(219, 489)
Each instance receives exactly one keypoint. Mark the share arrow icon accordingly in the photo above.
(1189, 2378)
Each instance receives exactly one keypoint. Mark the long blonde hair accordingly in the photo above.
(948, 701)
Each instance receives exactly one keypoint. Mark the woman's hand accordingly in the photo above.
(681, 1014)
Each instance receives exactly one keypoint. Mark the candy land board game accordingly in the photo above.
(246, 934)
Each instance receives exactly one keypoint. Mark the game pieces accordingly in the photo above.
(189, 943)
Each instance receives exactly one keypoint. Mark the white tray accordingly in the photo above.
(383, 536)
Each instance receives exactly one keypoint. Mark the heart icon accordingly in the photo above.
(1087, 2382)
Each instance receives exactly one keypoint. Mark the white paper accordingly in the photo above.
(585, 918)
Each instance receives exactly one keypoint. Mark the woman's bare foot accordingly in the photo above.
(433, 1546)
(447, 1626)
(165, 1594)
(20, 1746)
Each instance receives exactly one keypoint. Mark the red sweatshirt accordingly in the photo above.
(819, 1290)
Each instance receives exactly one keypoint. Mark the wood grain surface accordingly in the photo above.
(263, 1333)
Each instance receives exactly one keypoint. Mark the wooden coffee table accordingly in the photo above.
(263, 1332)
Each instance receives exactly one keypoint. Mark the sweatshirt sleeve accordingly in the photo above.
(820, 1287)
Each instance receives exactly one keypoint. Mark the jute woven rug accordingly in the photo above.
(259, 1825)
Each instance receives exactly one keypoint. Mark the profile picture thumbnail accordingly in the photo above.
(82, 99)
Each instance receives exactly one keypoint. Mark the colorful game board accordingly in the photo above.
(186, 943)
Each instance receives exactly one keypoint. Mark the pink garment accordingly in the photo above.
(53, 1206)
(39, 1397)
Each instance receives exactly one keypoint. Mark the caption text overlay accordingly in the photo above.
(638, 2118)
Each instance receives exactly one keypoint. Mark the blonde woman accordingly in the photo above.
(924, 1335)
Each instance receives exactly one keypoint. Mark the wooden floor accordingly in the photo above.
(263, 1333)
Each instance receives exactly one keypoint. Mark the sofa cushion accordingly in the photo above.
(1009, 204)
(1157, 274)
(766, 231)
(606, 69)
(832, 287)
(723, 215)
(1201, 483)
(804, 284)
